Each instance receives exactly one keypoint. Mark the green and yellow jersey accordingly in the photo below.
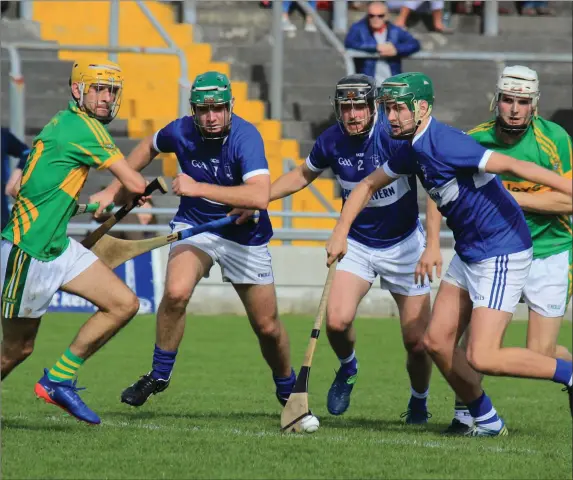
(548, 145)
(53, 177)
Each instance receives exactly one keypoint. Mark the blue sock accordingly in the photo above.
(349, 365)
(163, 362)
(483, 412)
(285, 384)
(563, 372)
(418, 400)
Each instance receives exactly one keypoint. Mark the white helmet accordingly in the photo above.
(517, 81)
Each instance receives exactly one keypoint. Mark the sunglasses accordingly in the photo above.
(372, 15)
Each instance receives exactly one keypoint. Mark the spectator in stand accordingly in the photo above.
(288, 26)
(10, 184)
(531, 9)
(375, 34)
(406, 8)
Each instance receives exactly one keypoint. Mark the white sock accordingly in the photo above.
(419, 395)
(348, 359)
(462, 415)
(570, 383)
(481, 421)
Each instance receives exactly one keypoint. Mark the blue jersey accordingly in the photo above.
(392, 213)
(485, 219)
(226, 162)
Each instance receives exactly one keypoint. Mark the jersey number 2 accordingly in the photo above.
(360, 167)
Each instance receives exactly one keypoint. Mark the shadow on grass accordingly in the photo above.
(380, 424)
(159, 414)
(69, 427)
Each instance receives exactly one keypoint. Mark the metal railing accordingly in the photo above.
(17, 81)
(285, 234)
(499, 58)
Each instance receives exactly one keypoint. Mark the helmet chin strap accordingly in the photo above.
(511, 130)
(515, 131)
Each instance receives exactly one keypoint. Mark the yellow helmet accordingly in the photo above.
(97, 74)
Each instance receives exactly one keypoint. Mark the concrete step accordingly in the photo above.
(300, 130)
(243, 14)
(525, 42)
(262, 54)
(311, 74)
(43, 66)
(34, 124)
(16, 30)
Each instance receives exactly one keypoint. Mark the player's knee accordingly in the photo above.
(414, 343)
(16, 352)
(177, 297)
(268, 327)
(431, 345)
(338, 320)
(124, 307)
(131, 306)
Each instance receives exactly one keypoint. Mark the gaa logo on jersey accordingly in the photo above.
(109, 146)
(228, 172)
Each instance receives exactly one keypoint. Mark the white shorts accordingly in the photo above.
(395, 265)
(28, 284)
(548, 287)
(496, 282)
(239, 263)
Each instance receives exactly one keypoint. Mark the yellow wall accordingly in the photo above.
(150, 97)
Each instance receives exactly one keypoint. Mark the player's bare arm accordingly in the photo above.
(499, 163)
(253, 194)
(13, 185)
(547, 203)
(292, 182)
(432, 256)
(137, 160)
(127, 182)
(336, 245)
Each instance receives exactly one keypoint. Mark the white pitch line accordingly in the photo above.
(431, 444)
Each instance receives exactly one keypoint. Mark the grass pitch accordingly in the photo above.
(220, 419)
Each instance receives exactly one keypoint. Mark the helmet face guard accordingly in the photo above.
(355, 93)
(98, 77)
(519, 86)
(211, 97)
(404, 93)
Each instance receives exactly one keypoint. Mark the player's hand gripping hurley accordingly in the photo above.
(92, 238)
(82, 208)
(296, 407)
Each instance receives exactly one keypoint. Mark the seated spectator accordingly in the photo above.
(375, 34)
(406, 8)
(531, 9)
(288, 26)
(11, 147)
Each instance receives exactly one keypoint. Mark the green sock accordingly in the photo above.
(65, 368)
